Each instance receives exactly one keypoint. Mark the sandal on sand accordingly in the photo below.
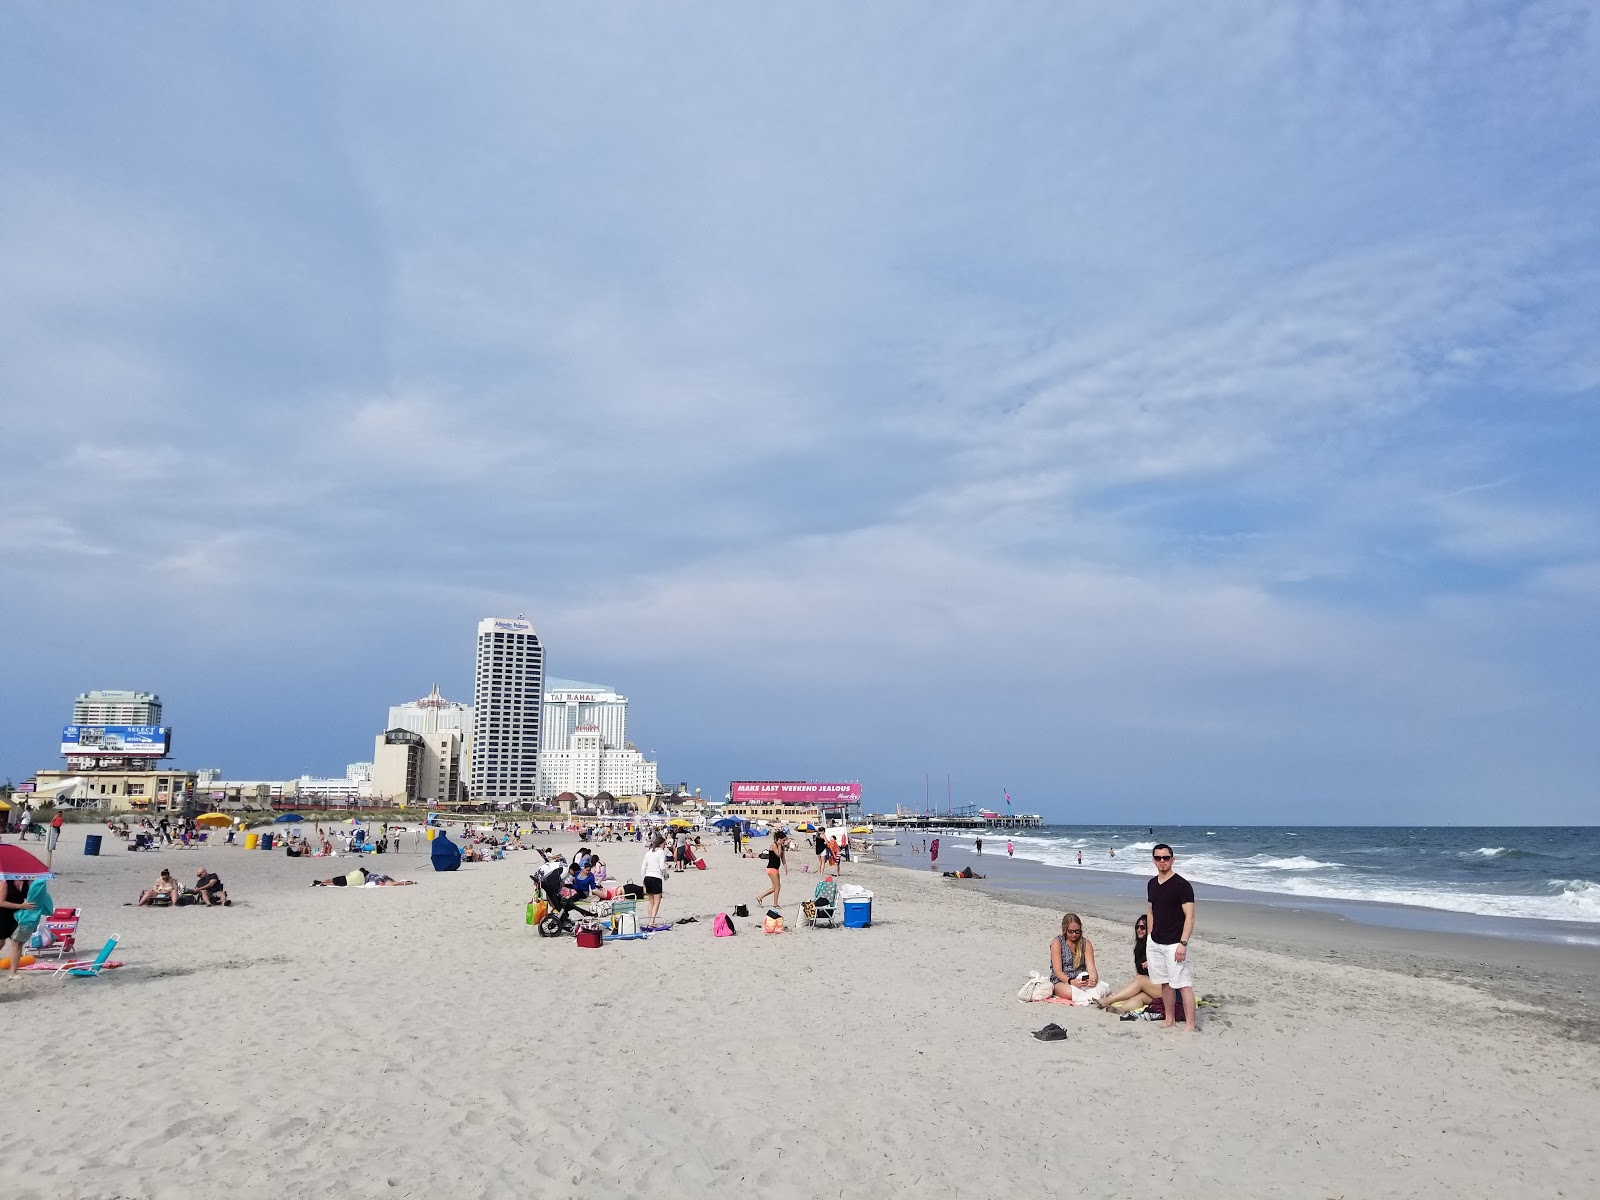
(1133, 1016)
(1051, 1033)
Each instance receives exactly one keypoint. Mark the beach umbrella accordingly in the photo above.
(727, 823)
(219, 819)
(17, 863)
(5, 806)
(680, 823)
(286, 818)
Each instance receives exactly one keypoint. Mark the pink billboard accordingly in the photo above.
(794, 792)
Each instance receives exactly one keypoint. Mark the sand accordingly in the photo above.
(423, 1041)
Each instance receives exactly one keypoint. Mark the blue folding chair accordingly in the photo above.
(94, 968)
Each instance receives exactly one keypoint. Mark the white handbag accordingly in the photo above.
(627, 923)
(1037, 988)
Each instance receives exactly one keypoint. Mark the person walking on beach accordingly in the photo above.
(980, 845)
(1008, 850)
(1170, 914)
(1080, 858)
(654, 871)
(775, 858)
(933, 855)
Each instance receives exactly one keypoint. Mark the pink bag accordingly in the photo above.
(722, 926)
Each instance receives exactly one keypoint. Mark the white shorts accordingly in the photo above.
(1165, 968)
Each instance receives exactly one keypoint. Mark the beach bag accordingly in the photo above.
(741, 911)
(700, 864)
(1037, 988)
(603, 909)
(625, 924)
(537, 911)
(772, 924)
(722, 926)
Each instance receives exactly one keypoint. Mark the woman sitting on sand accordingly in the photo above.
(1072, 967)
(1141, 991)
(165, 886)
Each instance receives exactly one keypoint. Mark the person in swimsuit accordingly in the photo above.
(165, 886)
(774, 858)
(1141, 988)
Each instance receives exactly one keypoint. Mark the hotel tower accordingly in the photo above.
(508, 688)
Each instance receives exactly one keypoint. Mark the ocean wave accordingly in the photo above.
(1298, 863)
(1490, 851)
(1565, 900)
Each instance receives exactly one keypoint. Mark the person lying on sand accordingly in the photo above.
(166, 886)
(964, 873)
(361, 877)
(1141, 991)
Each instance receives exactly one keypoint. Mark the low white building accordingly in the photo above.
(588, 766)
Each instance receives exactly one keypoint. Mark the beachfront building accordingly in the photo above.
(587, 766)
(775, 813)
(136, 790)
(116, 708)
(507, 695)
(358, 772)
(417, 768)
(570, 706)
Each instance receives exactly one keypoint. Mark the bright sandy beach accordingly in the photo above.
(422, 1041)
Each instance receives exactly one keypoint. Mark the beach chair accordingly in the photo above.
(62, 926)
(94, 968)
(822, 906)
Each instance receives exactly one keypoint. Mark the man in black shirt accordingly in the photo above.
(209, 887)
(1170, 914)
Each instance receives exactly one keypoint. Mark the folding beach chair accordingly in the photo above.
(94, 968)
(822, 906)
(62, 926)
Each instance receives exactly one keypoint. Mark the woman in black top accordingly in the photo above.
(774, 857)
(1141, 991)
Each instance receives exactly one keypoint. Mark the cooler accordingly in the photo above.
(590, 938)
(858, 913)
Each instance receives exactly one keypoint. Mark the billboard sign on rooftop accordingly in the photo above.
(771, 791)
(116, 741)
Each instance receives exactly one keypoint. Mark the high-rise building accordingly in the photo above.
(431, 714)
(570, 706)
(117, 708)
(507, 691)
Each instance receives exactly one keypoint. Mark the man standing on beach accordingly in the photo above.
(1169, 915)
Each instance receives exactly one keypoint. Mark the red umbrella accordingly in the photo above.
(17, 863)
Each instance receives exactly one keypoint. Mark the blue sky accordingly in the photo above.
(1153, 411)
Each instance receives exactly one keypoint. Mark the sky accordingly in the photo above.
(1162, 412)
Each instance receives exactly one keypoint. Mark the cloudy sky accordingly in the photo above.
(1179, 412)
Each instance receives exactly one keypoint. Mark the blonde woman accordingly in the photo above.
(1072, 967)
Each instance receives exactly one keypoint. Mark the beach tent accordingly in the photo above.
(286, 818)
(446, 854)
(17, 863)
(221, 820)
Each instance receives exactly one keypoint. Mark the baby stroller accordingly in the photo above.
(564, 911)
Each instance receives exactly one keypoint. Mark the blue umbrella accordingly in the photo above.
(727, 823)
(285, 818)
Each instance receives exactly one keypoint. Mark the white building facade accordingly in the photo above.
(588, 766)
(116, 708)
(570, 706)
(507, 698)
(431, 714)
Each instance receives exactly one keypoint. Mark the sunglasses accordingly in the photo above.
(1074, 932)
(1162, 857)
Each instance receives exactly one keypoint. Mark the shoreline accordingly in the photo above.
(1029, 874)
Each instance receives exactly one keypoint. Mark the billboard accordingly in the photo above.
(116, 741)
(793, 792)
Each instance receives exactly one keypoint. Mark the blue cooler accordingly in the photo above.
(857, 913)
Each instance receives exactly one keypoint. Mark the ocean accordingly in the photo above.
(1539, 882)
